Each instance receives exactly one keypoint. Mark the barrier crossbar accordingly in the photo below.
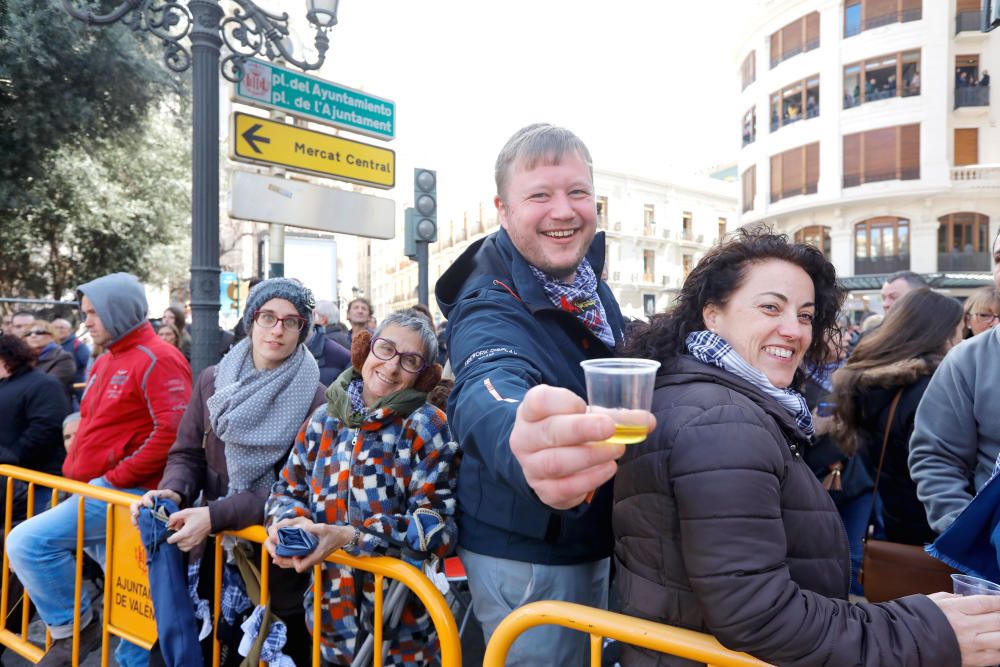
(599, 624)
(382, 567)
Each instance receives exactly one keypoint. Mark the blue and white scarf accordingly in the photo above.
(580, 298)
(709, 348)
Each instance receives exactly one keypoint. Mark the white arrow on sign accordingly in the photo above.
(284, 201)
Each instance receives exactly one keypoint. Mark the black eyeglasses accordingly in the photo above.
(37, 332)
(985, 317)
(269, 320)
(411, 362)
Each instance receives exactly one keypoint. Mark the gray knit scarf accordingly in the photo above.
(258, 412)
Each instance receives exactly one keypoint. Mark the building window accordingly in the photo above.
(722, 229)
(891, 75)
(817, 236)
(750, 126)
(648, 304)
(968, 15)
(748, 71)
(648, 221)
(687, 263)
(602, 212)
(889, 153)
(687, 226)
(648, 265)
(794, 102)
(966, 146)
(861, 15)
(795, 172)
(881, 245)
(971, 88)
(749, 178)
(964, 242)
(797, 37)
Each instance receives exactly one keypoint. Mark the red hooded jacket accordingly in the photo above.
(132, 406)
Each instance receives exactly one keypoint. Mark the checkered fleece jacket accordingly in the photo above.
(373, 476)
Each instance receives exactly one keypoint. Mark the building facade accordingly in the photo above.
(869, 128)
(656, 232)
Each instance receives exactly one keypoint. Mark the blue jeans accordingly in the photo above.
(42, 551)
(499, 586)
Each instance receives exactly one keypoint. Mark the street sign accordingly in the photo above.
(266, 141)
(286, 201)
(271, 86)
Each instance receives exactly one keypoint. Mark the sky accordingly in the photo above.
(649, 85)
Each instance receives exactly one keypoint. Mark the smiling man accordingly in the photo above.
(956, 434)
(525, 306)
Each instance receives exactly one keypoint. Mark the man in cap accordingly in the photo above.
(132, 406)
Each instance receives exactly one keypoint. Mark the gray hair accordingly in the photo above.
(70, 418)
(327, 309)
(536, 143)
(914, 280)
(413, 321)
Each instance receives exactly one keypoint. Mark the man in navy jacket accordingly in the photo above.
(525, 306)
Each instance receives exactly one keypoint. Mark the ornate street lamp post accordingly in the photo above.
(248, 31)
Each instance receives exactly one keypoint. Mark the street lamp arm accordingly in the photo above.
(253, 31)
(168, 20)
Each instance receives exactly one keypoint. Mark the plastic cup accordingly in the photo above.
(622, 388)
(964, 584)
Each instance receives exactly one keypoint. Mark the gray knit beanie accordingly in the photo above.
(299, 295)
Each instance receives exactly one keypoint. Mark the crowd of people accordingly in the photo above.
(742, 514)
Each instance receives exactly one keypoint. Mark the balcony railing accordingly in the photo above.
(972, 96)
(888, 264)
(903, 16)
(964, 261)
(977, 176)
(794, 51)
(968, 20)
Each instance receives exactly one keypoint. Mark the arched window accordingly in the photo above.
(817, 235)
(881, 245)
(964, 242)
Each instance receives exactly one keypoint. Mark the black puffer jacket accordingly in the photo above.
(721, 527)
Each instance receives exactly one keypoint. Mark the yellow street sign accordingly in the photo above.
(266, 141)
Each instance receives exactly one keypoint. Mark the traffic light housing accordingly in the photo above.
(425, 205)
(410, 234)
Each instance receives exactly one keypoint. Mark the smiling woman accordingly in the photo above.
(720, 525)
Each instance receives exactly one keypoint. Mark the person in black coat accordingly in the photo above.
(897, 358)
(331, 358)
(34, 405)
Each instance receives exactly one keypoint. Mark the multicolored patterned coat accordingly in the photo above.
(374, 477)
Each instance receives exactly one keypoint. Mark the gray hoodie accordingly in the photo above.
(120, 302)
(956, 435)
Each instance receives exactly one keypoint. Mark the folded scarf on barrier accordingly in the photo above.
(972, 543)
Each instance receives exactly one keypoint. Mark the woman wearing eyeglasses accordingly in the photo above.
(982, 311)
(236, 434)
(52, 359)
(361, 472)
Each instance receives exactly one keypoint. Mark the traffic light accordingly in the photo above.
(425, 203)
(410, 234)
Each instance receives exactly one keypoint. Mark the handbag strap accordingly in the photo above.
(881, 456)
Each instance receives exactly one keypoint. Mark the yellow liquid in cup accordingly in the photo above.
(627, 434)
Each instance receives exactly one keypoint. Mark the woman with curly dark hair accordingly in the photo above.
(897, 358)
(720, 525)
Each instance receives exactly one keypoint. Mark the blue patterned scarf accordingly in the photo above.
(709, 348)
(580, 298)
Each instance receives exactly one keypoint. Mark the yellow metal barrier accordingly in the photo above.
(381, 567)
(600, 624)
